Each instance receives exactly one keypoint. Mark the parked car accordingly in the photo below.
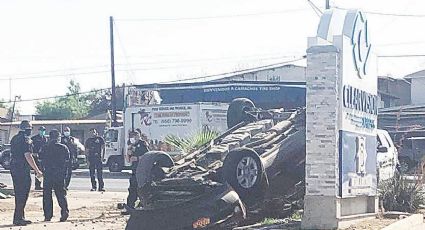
(5, 156)
(387, 156)
(81, 159)
(77, 163)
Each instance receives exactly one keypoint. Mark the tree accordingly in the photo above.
(72, 106)
(101, 101)
(3, 104)
(76, 105)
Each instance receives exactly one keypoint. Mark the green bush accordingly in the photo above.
(400, 194)
(188, 145)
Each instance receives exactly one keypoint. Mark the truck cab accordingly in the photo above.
(387, 156)
(114, 149)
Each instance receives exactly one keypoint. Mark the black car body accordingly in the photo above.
(243, 160)
(5, 156)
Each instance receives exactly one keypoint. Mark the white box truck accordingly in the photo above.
(158, 121)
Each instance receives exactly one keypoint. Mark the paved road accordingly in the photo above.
(114, 182)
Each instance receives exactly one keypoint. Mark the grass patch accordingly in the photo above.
(399, 194)
(296, 215)
(269, 221)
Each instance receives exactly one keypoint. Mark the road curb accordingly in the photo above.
(407, 223)
(86, 174)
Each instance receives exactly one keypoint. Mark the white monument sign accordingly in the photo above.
(342, 104)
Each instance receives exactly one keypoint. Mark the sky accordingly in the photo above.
(46, 43)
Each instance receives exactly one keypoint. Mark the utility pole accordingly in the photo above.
(10, 88)
(327, 5)
(114, 98)
(12, 117)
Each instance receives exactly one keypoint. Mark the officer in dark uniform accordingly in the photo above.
(95, 148)
(136, 149)
(39, 141)
(68, 140)
(21, 161)
(55, 163)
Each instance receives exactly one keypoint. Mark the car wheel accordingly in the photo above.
(150, 166)
(236, 113)
(6, 160)
(115, 164)
(244, 171)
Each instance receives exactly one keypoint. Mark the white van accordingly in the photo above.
(387, 156)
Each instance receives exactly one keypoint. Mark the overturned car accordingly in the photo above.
(218, 182)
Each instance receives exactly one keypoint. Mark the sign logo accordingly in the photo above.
(361, 44)
(145, 117)
(361, 155)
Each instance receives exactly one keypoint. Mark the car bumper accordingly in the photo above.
(209, 210)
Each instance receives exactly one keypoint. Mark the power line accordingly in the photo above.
(210, 17)
(387, 14)
(130, 72)
(238, 71)
(53, 71)
(26, 77)
(401, 55)
(54, 97)
(315, 8)
(402, 43)
(180, 80)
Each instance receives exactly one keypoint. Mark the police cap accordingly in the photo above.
(25, 124)
(54, 134)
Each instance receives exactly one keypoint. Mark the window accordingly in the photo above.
(111, 136)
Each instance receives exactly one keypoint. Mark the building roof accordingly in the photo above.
(387, 94)
(418, 74)
(58, 122)
(208, 84)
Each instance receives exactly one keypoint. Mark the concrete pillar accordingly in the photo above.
(322, 173)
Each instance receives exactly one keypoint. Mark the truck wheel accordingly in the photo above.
(115, 164)
(244, 171)
(6, 159)
(236, 113)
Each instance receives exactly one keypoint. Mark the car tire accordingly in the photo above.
(244, 171)
(115, 164)
(236, 113)
(5, 161)
(150, 164)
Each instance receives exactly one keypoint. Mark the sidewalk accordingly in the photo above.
(84, 173)
(88, 210)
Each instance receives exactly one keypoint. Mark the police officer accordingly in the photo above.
(55, 163)
(39, 141)
(68, 140)
(21, 161)
(95, 147)
(136, 149)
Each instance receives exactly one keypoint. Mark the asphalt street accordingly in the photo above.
(114, 182)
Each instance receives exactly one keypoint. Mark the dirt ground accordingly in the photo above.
(88, 210)
(373, 224)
